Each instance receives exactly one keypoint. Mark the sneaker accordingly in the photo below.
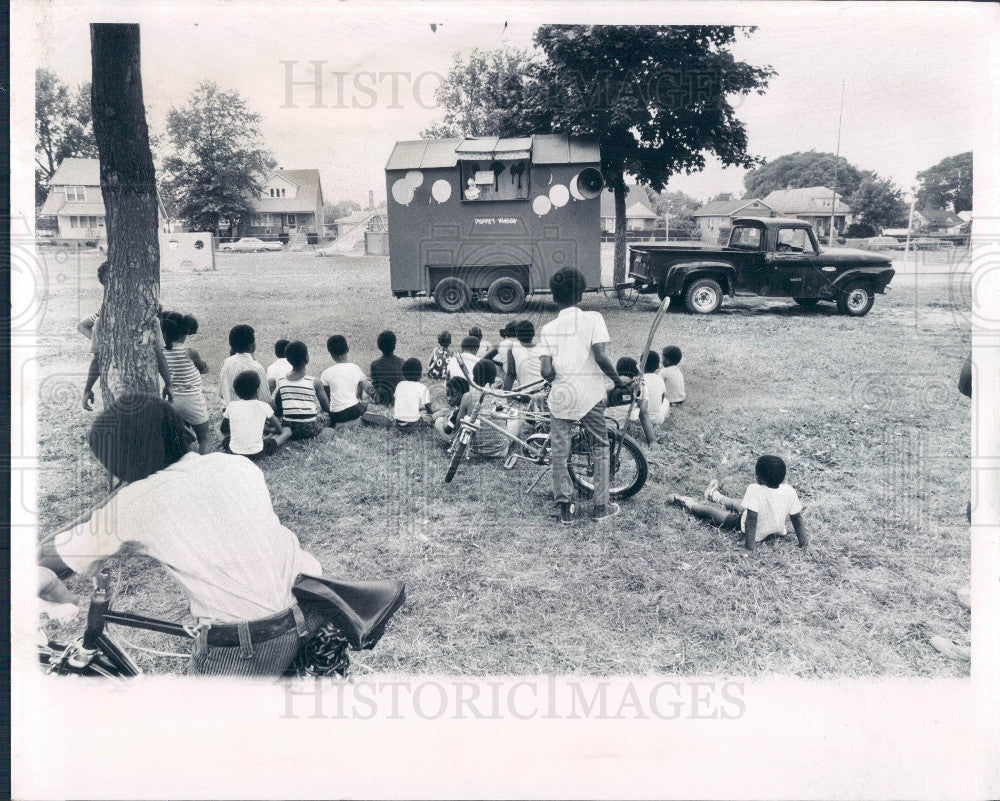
(604, 512)
(567, 513)
(711, 489)
(510, 462)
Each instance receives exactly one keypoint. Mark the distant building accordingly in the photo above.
(639, 213)
(290, 202)
(937, 221)
(717, 216)
(812, 203)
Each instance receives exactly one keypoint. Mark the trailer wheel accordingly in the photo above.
(505, 295)
(452, 294)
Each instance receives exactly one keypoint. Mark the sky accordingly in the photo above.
(911, 73)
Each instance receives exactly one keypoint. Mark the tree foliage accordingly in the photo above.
(491, 93)
(797, 170)
(948, 184)
(678, 206)
(63, 126)
(218, 158)
(878, 203)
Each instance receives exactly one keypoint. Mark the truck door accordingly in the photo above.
(789, 262)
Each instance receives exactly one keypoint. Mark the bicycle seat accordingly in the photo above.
(361, 608)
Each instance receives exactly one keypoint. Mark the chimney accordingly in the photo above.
(371, 199)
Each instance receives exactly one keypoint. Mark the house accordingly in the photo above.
(717, 216)
(937, 221)
(812, 203)
(639, 213)
(290, 202)
(75, 200)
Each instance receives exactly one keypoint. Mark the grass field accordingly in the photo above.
(864, 411)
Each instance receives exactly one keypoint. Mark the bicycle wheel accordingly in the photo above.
(457, 457)
(628, 471)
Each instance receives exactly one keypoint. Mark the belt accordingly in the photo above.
(266, 628)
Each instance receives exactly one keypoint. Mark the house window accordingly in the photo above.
(291, 219)
(495, 180)
(76, 194)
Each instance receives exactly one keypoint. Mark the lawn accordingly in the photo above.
(864, 411)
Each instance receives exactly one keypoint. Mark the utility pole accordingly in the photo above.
(836, 164)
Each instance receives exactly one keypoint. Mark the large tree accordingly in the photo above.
(218, 158)
(948, 184)
(63, 126)
(490, 93)
(877, 203)
(677, 206)
(126, 339)
(656, 98)
(797, 170)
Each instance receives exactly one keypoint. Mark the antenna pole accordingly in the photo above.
(836, 164)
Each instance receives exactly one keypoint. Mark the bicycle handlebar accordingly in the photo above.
(526, 389)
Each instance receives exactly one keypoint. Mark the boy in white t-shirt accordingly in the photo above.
(673, 378)
(654, 391)
(249, 418)
(280, 367)
(345, 384)
(470, 345)
(412, 401)
(763, 511)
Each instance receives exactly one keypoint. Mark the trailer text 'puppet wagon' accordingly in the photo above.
(490, 218)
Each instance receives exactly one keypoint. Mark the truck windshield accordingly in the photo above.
(745, 237)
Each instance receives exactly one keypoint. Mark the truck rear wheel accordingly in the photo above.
(505, 295)
(703, 296)
(856, 300)
(452, 294)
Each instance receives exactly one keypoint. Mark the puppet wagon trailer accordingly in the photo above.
(492, 219)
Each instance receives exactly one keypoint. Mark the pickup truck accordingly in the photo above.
(770, 256)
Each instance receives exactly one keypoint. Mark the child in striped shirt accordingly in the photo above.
(298, 397)
(186, 369)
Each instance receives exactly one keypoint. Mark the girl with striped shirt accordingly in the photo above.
(298, 398)
(186, 367)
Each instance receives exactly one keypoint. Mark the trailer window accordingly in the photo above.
(495, 180)
(747, 237)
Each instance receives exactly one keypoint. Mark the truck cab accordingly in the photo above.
(765, 256)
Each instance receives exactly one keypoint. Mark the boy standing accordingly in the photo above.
(574, 361)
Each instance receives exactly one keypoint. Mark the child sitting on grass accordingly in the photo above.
(186, 369)
(344, 384)
(446, 420)
(250, 419)
(639, 423)
(654, 392)
(387, 371)
(279, 367)
(470, 345)
(484, 346)
(487, 441)
(298, 397)
(673, 378)
(437, 365)
(412, 403)
(762, 512)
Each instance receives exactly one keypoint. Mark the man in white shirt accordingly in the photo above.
(575, 362)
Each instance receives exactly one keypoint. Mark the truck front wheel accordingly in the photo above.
(703, 296)
(505, 295)
(856, 300)
(452, 294)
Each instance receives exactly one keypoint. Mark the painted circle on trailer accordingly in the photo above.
(441, 190)
(541, 205)
(559, 195)
(574, 187)
(402, 192)
(414, 178)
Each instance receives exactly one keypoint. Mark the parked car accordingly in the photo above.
(925, 243)
(250, 244)
(771, 256)
(883, 243)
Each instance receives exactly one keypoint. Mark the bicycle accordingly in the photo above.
(364, 610)
(628, 466)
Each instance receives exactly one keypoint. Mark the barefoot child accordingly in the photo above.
(250, 419)
(299, 397)
(762, 512)
(186, 369)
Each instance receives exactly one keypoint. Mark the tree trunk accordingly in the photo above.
(621, 240)
(126, 336)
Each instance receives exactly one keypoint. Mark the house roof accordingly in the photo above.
(428, 154)
(637, 205)
(729, 208)
(308, 195)
(56, 205)
(77, 172)
(940, 217)
(816, 200)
